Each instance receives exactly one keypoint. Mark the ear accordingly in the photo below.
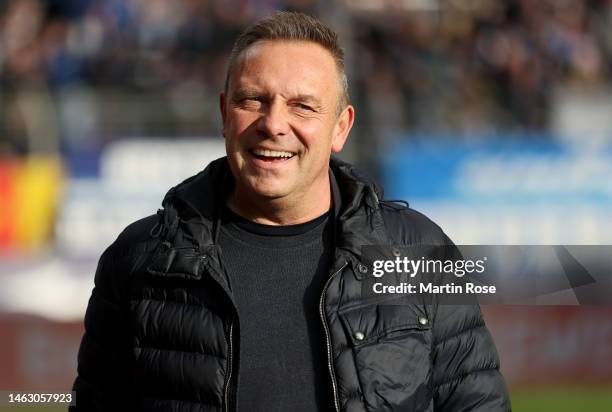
(343, 126)
(223, 110)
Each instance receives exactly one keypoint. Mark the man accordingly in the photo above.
(244, 293)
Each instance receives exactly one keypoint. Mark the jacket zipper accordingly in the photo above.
(230, 362)
(230, 366)
(328, 339)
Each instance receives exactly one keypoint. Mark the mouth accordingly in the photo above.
(271, 156)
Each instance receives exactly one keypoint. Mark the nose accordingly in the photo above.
(274, 120)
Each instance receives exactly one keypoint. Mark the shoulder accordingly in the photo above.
(119, 259)
(408, 227)
(136, 237)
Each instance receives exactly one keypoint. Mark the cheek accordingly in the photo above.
(315, 137)
(238, 121)
(236, 131)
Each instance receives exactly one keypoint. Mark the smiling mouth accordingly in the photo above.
(271, 155)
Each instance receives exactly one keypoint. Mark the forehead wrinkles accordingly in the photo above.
(308, 67)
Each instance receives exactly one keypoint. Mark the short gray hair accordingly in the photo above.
(286, 25)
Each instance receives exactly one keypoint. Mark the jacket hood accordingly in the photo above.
(197, 203)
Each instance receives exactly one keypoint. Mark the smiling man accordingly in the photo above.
(244, 292)
(284, 111)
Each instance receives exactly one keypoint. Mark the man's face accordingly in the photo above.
(280, 119)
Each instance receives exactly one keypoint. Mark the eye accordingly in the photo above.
(304, 107)
(251, 102)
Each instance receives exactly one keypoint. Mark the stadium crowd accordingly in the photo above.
(75, 74)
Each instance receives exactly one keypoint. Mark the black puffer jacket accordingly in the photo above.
(162, 334)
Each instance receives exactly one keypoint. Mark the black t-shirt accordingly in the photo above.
(277, 274)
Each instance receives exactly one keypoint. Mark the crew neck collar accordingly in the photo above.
(273, 230)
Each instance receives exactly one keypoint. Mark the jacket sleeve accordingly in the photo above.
(466, 364)
(103, 369)
(465, 369)
(466, 372)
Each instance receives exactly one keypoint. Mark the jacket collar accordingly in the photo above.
(198, 202)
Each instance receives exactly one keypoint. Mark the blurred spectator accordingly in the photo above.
(75, 74)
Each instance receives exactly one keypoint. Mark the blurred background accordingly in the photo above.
(492, 117)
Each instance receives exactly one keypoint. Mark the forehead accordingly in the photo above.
(285, 64)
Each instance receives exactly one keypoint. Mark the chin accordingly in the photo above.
(270, 193)
(269, 190)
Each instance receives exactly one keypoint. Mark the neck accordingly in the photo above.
(282, 211)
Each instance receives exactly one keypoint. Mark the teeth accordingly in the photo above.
(272, 153)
